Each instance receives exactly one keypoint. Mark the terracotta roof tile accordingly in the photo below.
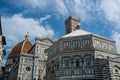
(23, 46)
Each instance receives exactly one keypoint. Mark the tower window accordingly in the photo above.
(77, 27)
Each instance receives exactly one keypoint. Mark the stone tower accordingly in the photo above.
(2, 50)
(72, 23)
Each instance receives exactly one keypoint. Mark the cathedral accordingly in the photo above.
(27, 61)
(78, 55)
(82, 55)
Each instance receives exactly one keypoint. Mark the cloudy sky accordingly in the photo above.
(45, 18)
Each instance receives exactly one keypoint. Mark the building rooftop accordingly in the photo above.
(82, 32)
(77, 33)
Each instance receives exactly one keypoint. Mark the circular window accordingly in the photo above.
(28, 68)
(116, 71)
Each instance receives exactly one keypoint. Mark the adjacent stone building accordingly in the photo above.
(82, 55)
(27, 61)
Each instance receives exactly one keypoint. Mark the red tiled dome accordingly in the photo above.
(23, 46)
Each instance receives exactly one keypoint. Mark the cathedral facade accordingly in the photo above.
(82, 55)
(27, 61)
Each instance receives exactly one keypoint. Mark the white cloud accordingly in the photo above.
(116, 37)
(28, 3)
(56, 6)
(80, 8)
(111, 9)
(17, 26)
(61, 7)
(45, 18)
(83, 8)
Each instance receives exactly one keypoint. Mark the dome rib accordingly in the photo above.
(26, 46)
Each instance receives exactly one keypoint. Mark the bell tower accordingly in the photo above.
(0, 26)
(2, 38)
(2, 49)
(72, 23)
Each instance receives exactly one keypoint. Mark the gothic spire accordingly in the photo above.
(0, 26)
(3, 37)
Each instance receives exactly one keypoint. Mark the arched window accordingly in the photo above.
(77, 61)
(88, 64)
(104, 69)
(88, 60)
(66, 62)
(105, 72)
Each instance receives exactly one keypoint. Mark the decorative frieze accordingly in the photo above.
(104, 45)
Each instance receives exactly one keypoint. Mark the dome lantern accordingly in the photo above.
(27, 36)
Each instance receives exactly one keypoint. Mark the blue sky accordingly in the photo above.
(45, 18)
